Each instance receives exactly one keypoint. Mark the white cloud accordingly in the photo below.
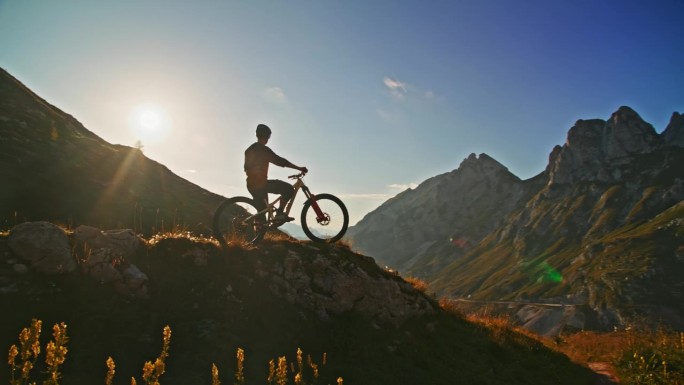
(380, 196)
(400, 90)
(370, 196)
(396, 88)
(275, 94)
(190, 171)
(403, 186)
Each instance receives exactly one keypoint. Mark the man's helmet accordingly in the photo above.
(263, 131)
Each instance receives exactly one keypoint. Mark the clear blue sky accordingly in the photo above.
(372, 96)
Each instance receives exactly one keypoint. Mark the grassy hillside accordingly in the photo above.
(636, 268)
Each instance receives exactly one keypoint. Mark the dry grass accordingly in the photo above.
(585, 347)
(181, 235)
(638, 355)
(417, 284)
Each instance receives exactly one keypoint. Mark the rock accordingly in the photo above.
(550, 321)
(44, 245)
(134, 282)
(125, 242)
(105, 259)
(330, 286)
(100, 265)
(108, 267)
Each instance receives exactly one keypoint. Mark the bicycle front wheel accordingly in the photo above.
(236, 222)
(327, 224)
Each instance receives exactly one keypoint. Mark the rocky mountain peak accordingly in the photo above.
(595, 147)
(674, 133)
(439, 209)
(482, 162)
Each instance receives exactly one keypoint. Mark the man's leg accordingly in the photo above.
(284, 189)
(260, 196)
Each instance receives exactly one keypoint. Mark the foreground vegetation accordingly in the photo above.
(637, 355)
(23, 359)
(645, 357)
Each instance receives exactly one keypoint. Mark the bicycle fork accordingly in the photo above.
(320, 215)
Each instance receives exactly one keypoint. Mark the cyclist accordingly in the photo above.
(257, 159)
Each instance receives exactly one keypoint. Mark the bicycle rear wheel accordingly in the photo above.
(333, 223)
(235, 221)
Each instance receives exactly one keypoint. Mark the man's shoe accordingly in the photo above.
(281, 219)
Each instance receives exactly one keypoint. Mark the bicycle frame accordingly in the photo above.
(298, 185)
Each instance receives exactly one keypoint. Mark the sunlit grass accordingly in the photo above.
(417, 284)
(155, 239)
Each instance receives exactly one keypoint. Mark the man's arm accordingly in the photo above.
(282, 162)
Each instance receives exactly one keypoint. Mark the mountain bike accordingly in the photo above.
(324, 217)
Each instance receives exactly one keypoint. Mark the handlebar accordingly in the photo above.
(297, 176)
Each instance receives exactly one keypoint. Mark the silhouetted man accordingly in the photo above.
(257, 159)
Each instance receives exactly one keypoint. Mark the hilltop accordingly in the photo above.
(375, 327)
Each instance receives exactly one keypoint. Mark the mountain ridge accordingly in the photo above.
(609, 178)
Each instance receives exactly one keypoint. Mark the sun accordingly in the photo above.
(149, 119)
(149, 123)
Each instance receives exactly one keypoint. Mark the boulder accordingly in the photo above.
(550, 321)
(44, 246)
(124, 242)
(105, 259)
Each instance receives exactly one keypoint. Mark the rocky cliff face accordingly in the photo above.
(595, 149)
(600, 227)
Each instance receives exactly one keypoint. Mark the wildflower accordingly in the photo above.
(281, 372)
(110, 371)
(239, 374)
(13, 352)
(271, 372)
(148, 370)
(215, 375)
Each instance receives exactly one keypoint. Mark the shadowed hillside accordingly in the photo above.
(268, 301)
(53, 168)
